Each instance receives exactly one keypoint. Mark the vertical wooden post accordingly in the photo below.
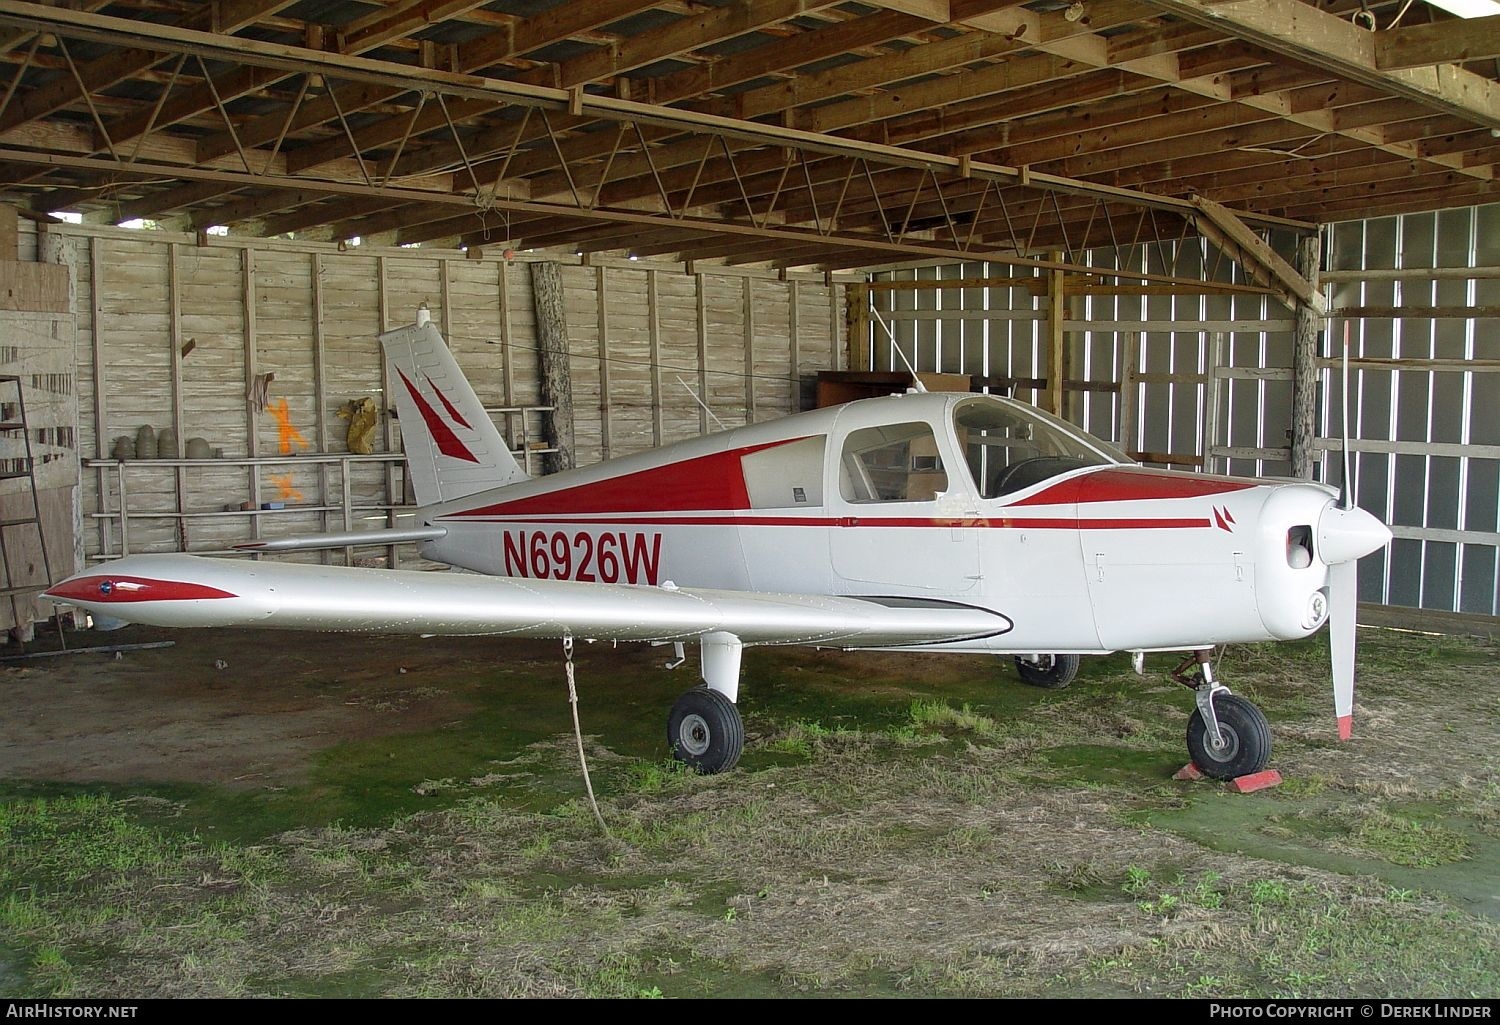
(1216, 344)
(857, 324)
(703, 397)
(1305, 363)
(601, 291)
(382, 296)
(445, 297)
(101, 410)
(836, 351)
(749, 317)
(1130, 361)
(1057, 349)
(174, 335)
(252, 415)
(552, 357)
(653, 334)
(794, 402)
(507, 367)
(320, 404)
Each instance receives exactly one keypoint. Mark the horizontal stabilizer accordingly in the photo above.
(344, 539)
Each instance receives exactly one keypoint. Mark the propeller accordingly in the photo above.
(1345, 534)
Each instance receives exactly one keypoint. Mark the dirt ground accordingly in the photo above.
(223, 707)
(252, 813)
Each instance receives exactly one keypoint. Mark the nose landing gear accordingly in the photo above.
(1227, 736)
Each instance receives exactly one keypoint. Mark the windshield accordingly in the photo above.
(1009, 446)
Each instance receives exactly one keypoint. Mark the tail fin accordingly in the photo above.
(452, 447)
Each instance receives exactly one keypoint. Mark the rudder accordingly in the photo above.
(452, 447)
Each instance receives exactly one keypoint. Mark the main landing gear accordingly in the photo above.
(705, 730)
(1053, 672)
(1227, 736)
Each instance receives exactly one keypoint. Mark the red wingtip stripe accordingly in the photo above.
(1346, 727)
(447, 442)
(104, 589)
(450, 407)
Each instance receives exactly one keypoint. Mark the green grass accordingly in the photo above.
(962, 836)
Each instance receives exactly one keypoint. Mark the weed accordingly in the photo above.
(1407, 842)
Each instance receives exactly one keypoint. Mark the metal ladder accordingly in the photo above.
(27, 470)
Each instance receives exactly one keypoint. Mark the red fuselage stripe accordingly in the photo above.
(1132, 485)
(708, 483)
(986, 522)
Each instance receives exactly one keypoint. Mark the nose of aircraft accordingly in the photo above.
(1348, 534)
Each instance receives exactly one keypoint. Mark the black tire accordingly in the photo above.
(1054, 672)
(705, 731)
(1247, 737)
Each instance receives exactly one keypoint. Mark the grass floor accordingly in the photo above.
(901, 825)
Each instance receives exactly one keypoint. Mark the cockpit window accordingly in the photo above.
(1009, 446)
(892, 463)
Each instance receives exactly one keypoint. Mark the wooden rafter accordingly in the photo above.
(749, 130)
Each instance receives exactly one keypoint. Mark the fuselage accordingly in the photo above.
(965, 498)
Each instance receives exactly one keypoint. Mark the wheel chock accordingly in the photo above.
(1263, 780)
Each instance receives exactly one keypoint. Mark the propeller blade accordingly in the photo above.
(1342, 594)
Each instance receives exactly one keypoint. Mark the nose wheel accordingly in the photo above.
(705, 731)
(1227, 735)
(1244, 739)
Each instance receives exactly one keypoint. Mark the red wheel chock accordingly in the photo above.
(1262, 780)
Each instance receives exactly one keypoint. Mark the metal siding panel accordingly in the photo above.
(1477, 581)
(1405, 582)
(1443, 492)
(1439, 568)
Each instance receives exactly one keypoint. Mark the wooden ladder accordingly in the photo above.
(13, 420)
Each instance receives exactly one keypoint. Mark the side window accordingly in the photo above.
(893, 463)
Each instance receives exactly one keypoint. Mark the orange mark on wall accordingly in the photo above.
(287, 434)
(285, 491)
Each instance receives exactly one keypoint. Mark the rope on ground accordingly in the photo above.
(583, 762)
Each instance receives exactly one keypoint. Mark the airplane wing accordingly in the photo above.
(189, 590)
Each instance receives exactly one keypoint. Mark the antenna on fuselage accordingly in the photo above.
(688, 388)
(916, 381)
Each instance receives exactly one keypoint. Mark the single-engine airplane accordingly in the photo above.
(932, 522)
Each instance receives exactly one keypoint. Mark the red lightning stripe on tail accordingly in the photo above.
(447, 442)
(450, 407)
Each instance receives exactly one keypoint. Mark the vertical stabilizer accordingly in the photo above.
(452, 446)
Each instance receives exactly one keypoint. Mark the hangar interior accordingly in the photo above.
(1155, 217)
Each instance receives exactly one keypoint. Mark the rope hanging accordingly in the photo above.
(583, 763)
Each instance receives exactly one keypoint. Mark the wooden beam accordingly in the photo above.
(1298, 30)
(399, 20)
(1228, 231)
(103, 72)
(1442, 42)
(545, 29)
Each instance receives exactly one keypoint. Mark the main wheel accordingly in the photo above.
(1053, 672)
(1247, 739)
(705, 731)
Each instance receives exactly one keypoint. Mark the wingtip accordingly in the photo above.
(1346, 727)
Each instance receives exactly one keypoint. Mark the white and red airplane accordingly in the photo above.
(932, 522)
